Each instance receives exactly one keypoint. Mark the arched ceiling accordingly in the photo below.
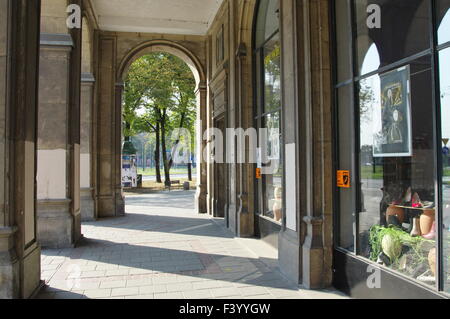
(189, 17)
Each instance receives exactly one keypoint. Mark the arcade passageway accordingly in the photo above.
(162, 249)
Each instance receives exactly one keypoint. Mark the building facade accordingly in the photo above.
(349, 184)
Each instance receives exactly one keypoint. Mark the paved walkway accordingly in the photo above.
(162, 250)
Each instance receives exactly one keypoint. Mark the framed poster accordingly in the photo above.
(395, 137)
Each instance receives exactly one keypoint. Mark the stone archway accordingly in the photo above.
(110, 198)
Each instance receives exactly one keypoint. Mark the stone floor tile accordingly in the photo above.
(117, 292)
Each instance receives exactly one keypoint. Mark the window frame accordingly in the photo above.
(258, 108)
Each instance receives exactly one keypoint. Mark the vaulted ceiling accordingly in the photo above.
(192, 17)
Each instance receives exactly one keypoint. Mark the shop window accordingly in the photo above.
(268, 111)
(396, 168)
(389, 138)
(444, 60)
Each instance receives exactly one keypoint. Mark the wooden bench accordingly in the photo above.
(168, 185)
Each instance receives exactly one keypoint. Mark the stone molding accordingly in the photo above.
(56, 39)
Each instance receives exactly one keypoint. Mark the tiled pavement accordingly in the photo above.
(162, 250)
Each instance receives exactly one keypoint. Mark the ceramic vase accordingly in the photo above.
(432, 260)
(426, 221)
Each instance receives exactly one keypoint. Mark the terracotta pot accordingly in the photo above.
(426, 221)
(432, 260)
(395, 211)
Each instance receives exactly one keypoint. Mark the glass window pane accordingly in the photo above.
(443, 20)
(272, 75)
(343, 40)
(397, 213)
(268, 21)
(347, 198)
(404, 31)
(444, 60)
(273, 182)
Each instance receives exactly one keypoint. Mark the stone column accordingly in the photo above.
(317, 133)
(201, 196)
(19, 51)
(88, 212)
(120, 198)
(243, 117)
(58, 178)
(109, 132)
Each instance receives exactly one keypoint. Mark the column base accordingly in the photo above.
(201, 200)
(55, 224)
(246, 220)
(87, 205)
(19, 276)
(9, 266)
(316, 274)
(120, 203)
(109, 206)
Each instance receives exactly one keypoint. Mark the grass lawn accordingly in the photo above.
(173, 171)
(367, 172)
(152, 187)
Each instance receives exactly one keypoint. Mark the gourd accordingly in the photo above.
(391, 246)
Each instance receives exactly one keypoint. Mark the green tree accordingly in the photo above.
(159, 97)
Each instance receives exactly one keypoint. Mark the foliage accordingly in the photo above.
(377, 233)
(159, 87)
(159, 97)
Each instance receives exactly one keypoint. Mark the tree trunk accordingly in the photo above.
(157, 155)
(128, 127)
(190, 172)
(164, 153)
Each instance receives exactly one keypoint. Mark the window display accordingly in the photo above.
(397, 217)
(393, 134)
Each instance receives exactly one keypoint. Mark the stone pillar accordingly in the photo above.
(201, 196)
(244, 175)
(19, 51)
(120, 198)
(317, 147)
(58, 177)
(88, 212)
(110, 199)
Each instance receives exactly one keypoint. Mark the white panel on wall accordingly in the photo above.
(51, 174)
(29, 193)
(291, 187)
(85, 170)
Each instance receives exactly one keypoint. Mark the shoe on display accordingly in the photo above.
(426, 204)
(415, 202)
(408, 196)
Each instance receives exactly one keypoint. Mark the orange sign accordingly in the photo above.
(258, 173)
(343, 179)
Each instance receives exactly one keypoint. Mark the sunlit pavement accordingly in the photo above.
(162, 250)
